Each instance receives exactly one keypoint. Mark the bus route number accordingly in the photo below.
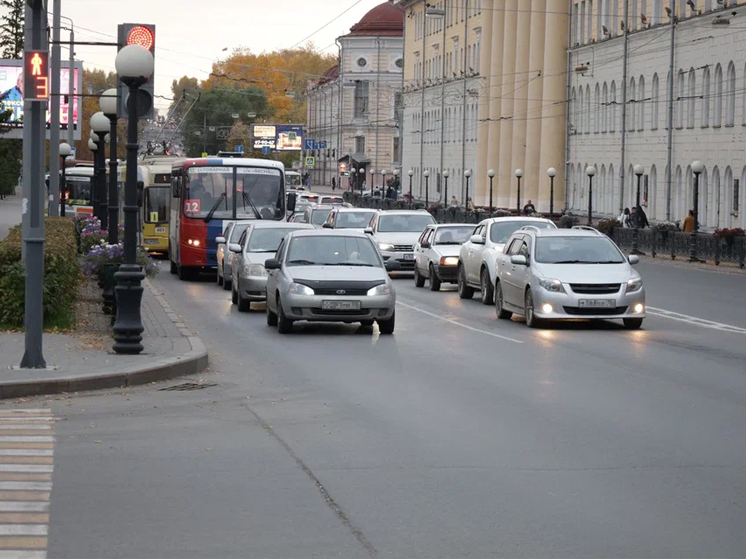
(192, 207)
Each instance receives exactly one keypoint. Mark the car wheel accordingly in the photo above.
(488, 293)
(174, 268)
(284, 324)
(226, 282)
(271, 317)
(633, 323)
(387, 326)
(502, 314)
(434, 279)
(234, 297)
(531, 320)
(185, 274)
(244, 305)
(419, 281)
(464, 291)
(220, 277)
(366, 322)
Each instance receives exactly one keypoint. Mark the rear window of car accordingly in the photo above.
(501, 231)
(404, 223)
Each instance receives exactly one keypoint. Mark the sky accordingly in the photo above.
(191, 34)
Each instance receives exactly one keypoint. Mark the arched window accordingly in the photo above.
(641, 104)
(728, 216)
(718, 110)
(709, 201)
(631, 102)
(597, 110)
(691, 95)
(743, 108)
(680, 94)
(706, 98)
(678, 204)
(668, 98)
(730, 96)
(580, 119)
(601, 191)
(572, 110)
(654, 98)
(587, 109)
(571, 181)
(605, 109)
(612, 104)
(652, 194)
(610, 181)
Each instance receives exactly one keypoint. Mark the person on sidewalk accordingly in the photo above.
(469, 204)
(529, 208)
(334, 184)
(624, 218)
(454, 202)
(642, 219)
(689, 223)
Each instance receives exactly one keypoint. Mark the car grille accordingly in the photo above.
(347, 291)
(578, 311)
(403, 248)
(331, 312)
(595, 288)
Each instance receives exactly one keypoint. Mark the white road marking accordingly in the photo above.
(23, 506)
(25, 485)
(36, 468)
(23, 529)
(22, 554)
(38, 411)
(22, 418)
(25, 452)
(701, 322)
(456, 323)
(25, 439)
(28, 426)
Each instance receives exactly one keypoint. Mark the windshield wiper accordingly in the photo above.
(569, 262)
(448, 243)
(303, 263)
(358, 264)
(247, 198)
(212, 211)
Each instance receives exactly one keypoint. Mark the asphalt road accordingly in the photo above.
(10, 214)
(459, 436)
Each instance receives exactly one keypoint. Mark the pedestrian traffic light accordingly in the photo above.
(36, 75)
(142, 34)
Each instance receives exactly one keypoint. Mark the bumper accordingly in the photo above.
(305, 307)
(405, 259)
(448, 274)
(566, 306)
(154, 244)
(254, 288)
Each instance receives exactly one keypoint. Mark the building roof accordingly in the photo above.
(330, 75)
(385, 20)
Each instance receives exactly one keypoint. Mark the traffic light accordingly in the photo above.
(142, 34)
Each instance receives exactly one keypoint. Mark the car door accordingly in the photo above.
(510, 276)
(429, 254)
(223, 247)
(273, 277)
(521, 273)
(420, 257)
(474, 256)
(238, 260)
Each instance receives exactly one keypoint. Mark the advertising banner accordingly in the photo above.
(289, 137)
(264, 136)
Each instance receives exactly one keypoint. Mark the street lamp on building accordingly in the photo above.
(491, 175)
(134, 65)
(591, 172)
(446, 174)
(467, 174)
(552, 172)
(411, 174)
(518, 175)
(65, 151)
(426, 174)
(639, 171)
(108, 104)
(697, 168)
(101, 126)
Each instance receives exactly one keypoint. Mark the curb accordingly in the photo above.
(190, 363)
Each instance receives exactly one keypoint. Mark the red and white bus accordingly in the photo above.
(207, 191)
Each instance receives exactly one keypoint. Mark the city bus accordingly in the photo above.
(207, 191)
(293, 180)
(155, 202)
(78, 190)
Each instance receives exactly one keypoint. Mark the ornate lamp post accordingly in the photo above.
(446, 174)
(491, 175)
(639, 171)
(552, 172)
(100, 125)
(108, 104)
(397, 182)
(411, 174)
(65, 151)
(467, 174)
(372, 180)
(93, 146)
(591, 172)
(134, 65)
(426, 174)
(697, 168)
(518, 175)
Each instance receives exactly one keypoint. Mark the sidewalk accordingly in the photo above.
(83, 360)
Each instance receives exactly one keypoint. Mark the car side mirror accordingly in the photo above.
(327, 225)
(518, 260)
(220, 240)
(292, 199)
(392, 265)
(477, 240)
(272, 264)
(633, 259)
(234, 247)
(368, 231)
(424, 245)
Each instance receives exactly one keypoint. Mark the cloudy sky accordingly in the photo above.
(191, 34)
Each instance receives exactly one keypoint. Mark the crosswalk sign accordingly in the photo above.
(310, 162)
(204, 154)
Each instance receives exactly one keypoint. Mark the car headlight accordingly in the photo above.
(385, 247)
(254, 270)
(300, 289)
(449, 261)
(383, 289)
(634, 285)
(552, 285)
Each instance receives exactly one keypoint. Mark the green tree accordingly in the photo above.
(11, 152)
(12, 28)
(184, 86)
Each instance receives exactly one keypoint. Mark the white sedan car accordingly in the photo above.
(436, 254)
(478, 255)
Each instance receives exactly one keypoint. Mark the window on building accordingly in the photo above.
(590, 19)
(657, 14)
(641, 104)
(613, 105)
(575, 25)
(582, 22)
(691, 98)
(680, 95)
(605, 109)
(718, 110)
(359, 144)
(631, 105)
(597, 110)
(361, 98)
(634, 19)
(587, 109)
(706, 98)
(600, 19)
(654, 103)
(730, 96)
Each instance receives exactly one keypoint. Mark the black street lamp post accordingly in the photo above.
(411, 174)
(639, 172)
(467, 174)
(427, 189)
(552, 172)
(491, 175)
(65, 151)
(446, 174)
(591, 172)
(697, 168)
(93, 147)
(108, 103)
(518, 175)
(100, 126)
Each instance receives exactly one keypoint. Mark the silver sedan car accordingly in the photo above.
(436, 254)
(248, 274)
(233, 232)
(330, 276)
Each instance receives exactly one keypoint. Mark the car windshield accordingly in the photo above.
(212, 192)
(353, 220)
(333, 251)
(453, 235)
(267, 239)
(292, 179)
(78, 190)
(319, 216)
(404, 223)
(501, 231)
(577, 250)
(238, 230)
(156, 204)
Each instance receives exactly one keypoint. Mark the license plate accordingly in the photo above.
(409, 257)
(150, 241)
(597, 303)
(341, 305)
(160, 229)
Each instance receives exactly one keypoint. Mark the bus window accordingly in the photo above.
(78, 191)
(156, 205)
(208, 188)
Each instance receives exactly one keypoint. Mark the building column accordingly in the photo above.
(505, 149)
(554, 114)
(519, 88)
(493, 95)
(487, 80)
(535, 100)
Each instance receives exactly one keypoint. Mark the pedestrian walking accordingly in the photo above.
(469, 204)
(334, 184)
(624, 219)
(689, 223)
(642, 218)
(454, 202)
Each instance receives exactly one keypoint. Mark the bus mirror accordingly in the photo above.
(291, 202)
(140, 187)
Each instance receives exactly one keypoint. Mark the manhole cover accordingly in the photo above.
(188, 386)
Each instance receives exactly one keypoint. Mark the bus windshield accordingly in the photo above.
(78, 190)
(156, 204)
(293, 179)
(225, 192)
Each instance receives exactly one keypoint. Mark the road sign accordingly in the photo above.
(322, 144)
(223, 133)
(73, 151)
(204, 154)
(239, 149)
(266, 150)
(310, 143)
(310, 162)
(292, 135)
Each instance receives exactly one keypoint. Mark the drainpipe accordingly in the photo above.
(464, 94)
(443, 98)
(669, 116)
(568, 108)
(622, 174)
(422, 103)
(378, 101)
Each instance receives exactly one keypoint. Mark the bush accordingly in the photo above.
(726, 233)
(61, 275)
(95, 262)
(606, 226)
(568, 221)
(665, 226)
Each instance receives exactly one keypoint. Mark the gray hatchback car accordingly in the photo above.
(330, 276)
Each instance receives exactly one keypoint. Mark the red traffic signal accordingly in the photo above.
(142, 36)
